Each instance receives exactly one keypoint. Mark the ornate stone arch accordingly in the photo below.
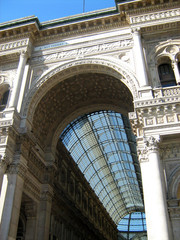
(116, 69)
(48, 105)
(173, 183)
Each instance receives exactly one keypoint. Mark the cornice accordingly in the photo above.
(145, 6)
(147, 11)
(80, 28)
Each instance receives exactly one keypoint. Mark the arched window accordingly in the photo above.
(166, 75)
(4, 100)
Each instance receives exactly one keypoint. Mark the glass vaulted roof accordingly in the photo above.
(133, 226)
(104, 148)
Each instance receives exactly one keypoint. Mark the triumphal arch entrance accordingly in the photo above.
(90, 125)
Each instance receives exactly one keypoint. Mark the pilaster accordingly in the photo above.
(139, 59)
(44, 212)
(18, 80)
(4, 161)
(154, 191)
(11, 198)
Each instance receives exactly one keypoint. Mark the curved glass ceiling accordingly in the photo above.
(133, 226)
(103, 146)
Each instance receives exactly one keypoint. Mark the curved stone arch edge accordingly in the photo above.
(173, 183)
(116, 69)
(53, 140)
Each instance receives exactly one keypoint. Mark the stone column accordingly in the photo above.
(44, 212)
(3, 165)
(174, 65)
(12, 200)
(157, 218)
(17, 81)
(139, 59)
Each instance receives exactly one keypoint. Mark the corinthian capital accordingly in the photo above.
(152, 144)
(142, 155)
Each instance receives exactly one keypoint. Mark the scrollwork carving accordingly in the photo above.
(142, 155)
(152, 144)
(85, 51)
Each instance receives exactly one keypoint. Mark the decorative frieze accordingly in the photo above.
(14, 45)
(170, 151)
(157, 16)
(85, 51)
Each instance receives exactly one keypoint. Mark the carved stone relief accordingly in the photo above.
(85, 51)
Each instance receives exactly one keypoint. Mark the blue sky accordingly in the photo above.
(48, 10)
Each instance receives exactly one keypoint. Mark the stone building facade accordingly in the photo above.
(125, 59)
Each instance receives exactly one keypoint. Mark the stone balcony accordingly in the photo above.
(160, 96)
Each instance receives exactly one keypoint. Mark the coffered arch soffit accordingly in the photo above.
(115, 68)
(78, 94)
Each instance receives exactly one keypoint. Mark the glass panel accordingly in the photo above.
(101, 143)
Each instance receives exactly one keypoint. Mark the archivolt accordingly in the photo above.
(173, 183)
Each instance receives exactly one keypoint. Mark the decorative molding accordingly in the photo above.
(99, 65)
(168, 26)
(79, 28)
(85, 51)
(30, 188)
(14, 45)
(18, 169)
(152, 144)
(170, 151)
(160, 16)
(142, 155)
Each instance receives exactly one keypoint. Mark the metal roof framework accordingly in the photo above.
(104, 148)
